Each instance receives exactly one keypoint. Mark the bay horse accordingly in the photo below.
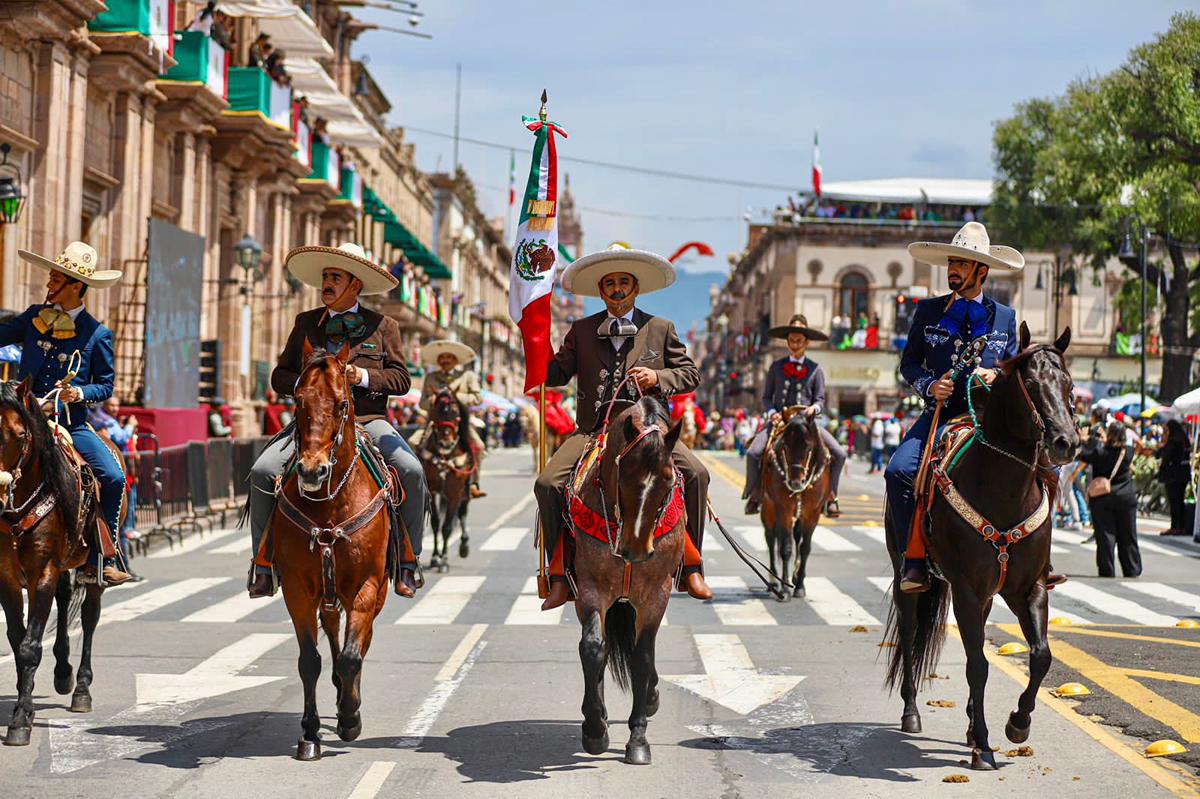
(1005, 481)
(795, 487)
(329, 534)
(623, 582)
(448, 462)
(47, 514)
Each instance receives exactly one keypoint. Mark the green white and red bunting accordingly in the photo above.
(535, 253)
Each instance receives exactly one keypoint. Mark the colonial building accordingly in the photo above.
(844, 264)
(565, 308)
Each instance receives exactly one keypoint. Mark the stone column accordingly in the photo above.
(185, 180)
(48, 206)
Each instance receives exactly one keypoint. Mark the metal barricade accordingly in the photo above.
(219, 466)
(163, 491)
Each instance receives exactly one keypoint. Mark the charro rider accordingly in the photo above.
(448, 356)
(376, 371)
(794, 380)
(941, 326)
(50, 335)
(601, 351)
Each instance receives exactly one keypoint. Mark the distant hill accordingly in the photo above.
(684, 303)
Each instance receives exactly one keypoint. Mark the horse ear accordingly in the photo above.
(672, 437)
(1023, 337)
(308, 349)
(23, 387)
(1063, 341)
(343, 355)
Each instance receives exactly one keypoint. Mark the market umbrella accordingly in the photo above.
(493, 400)
(1188, 404)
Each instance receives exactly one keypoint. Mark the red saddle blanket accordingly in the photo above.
(591, 523)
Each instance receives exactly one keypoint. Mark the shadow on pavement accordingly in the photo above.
(516, 751)
(866, 751)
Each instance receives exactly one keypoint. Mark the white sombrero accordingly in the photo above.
(79, 261)
(434, 349)
(653, 272)
(307, 263)
(971, 243)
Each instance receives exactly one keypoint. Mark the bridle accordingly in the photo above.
(1039, 445)
(343, 412)
(779, 462)
(10, 477)
(444, 450)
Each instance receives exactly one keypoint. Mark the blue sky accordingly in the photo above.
(735, 90)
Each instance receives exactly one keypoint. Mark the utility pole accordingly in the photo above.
(457, 110)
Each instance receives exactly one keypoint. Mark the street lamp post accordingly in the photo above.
(1126, 255)
(12, 197)
(247, 254)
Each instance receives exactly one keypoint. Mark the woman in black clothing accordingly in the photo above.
(1174, 472)
(1114, 515)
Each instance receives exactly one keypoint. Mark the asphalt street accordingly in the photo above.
(469, 690)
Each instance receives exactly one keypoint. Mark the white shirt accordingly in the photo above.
(877, 434)
(73, 313)
(619, 341)
(891, 433)
(363, 378)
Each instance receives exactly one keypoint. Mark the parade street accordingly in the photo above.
(469, 690)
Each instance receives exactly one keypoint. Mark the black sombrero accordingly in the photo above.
(799, 324)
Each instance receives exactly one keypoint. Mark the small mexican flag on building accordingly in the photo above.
(535, 251)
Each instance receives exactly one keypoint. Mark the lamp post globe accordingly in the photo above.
(247, 253)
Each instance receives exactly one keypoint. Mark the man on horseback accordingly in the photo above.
(619, 354)
(463, 383)
(376, 370)
(794, 380)
(941, 327)
(65, 347)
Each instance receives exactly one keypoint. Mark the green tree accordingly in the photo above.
(1073, 170)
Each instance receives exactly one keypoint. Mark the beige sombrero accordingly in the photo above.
(971, 242)
(434, 349)
(306, 263)
(653, 272)
(79, 261)
(799, 324)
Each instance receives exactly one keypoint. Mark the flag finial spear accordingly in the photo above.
(542, 113)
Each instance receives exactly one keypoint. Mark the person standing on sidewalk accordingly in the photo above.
(876, 446)
(1114, 511)
(1174, 472)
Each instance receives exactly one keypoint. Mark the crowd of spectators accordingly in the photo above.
(812, 207)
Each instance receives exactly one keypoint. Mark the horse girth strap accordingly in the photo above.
(343, 529)
(1001, 540)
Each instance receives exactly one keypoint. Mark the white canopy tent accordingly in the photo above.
(936, 191)
(346, 124)
(1188, 404)
(289, 27)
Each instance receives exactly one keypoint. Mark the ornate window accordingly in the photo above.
(854, 296)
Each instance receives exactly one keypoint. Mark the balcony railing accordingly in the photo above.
(250, 90)
(326, 165)
(151, 18)
(199, 59)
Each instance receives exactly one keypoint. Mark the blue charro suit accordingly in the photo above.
(934, 340)
(45, 361)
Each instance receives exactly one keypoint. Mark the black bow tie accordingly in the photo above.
(613, 328)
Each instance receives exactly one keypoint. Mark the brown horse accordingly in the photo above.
(795, 485)
(46, 519)
(623, 583)
(330, 539)
(1004, 478)
(448, 462)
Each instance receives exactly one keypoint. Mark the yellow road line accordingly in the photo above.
(1165, 676)
(1163, 774)
(731, 476)
(1156, 639)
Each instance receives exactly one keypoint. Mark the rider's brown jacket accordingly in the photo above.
(380, 355)
(593, 360)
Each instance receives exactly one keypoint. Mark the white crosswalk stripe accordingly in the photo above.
(1105, 602)
(527, 609)
(834, 606)
(876, 534)
(238, 546)
(194, 542)
(828, 540)
(753, 536)
(506, 539)
(154, 599)
(233, 609)
(733, 606)
(1167, 593)
(443, 600)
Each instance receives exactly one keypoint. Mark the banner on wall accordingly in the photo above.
(174, 284)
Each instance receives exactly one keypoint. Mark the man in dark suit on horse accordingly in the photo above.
(621, 352)
(941, 327)
(794, 380)
(376, 370)
(65, 347)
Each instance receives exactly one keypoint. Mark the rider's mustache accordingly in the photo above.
(619, 294)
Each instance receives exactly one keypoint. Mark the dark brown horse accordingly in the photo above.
(795, 486)
(448, 463)
(623, 583)
(46, 521)
(1006, 475)
(330, 538)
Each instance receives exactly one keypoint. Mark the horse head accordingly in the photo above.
(447, 417)
(26, 439)
(324, 412)
(637, 471)
(800, 438)
(1037, 406)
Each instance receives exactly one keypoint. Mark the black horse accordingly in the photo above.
(1006, 475)
(449, 464)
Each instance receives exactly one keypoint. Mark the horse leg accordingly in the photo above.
(645, 698)
(772, 538)
(302, 607)
(594, 655)
(64, 675)
(906, 614)
(1032, 616)
(968, 612)
(448, 520)
(29, 657)
(434, 527)
(89, 619)
(464, 540)
(803, 548)
(331, 623)
(360, 629)
(787, 551)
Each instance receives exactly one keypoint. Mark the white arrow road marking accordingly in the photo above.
(163, 699)
(731, 679)
(215, 676)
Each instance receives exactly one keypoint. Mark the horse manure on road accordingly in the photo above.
(1020, 751)
(941, 703)
(858, 628)
(956, 778)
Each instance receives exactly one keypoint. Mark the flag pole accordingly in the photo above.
(543, 577)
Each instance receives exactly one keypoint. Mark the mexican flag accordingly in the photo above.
(535, 252)
(816, 166)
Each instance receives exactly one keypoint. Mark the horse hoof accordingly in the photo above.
(17, 736)
(1014, 733)
(65, 684)
(350, 733)
(637, 754)
(799, 592)
(595, 746)
(652, 704)
(910, 724)
(81, 703)
(464, 550)
(983, 760)
(307, 750)
(783, 596)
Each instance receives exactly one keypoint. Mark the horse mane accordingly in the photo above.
(1009, 364)
(56, 473)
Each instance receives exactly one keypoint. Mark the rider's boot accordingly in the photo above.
(560, 588)
(1053, 578)
(261, 584)
(406, 585)
(477, 492)
(832, 509)
(751, 493)
(915, 579)
(693, 575)
(112, 574)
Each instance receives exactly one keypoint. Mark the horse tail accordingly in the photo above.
(620, 638)
(932, 608)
